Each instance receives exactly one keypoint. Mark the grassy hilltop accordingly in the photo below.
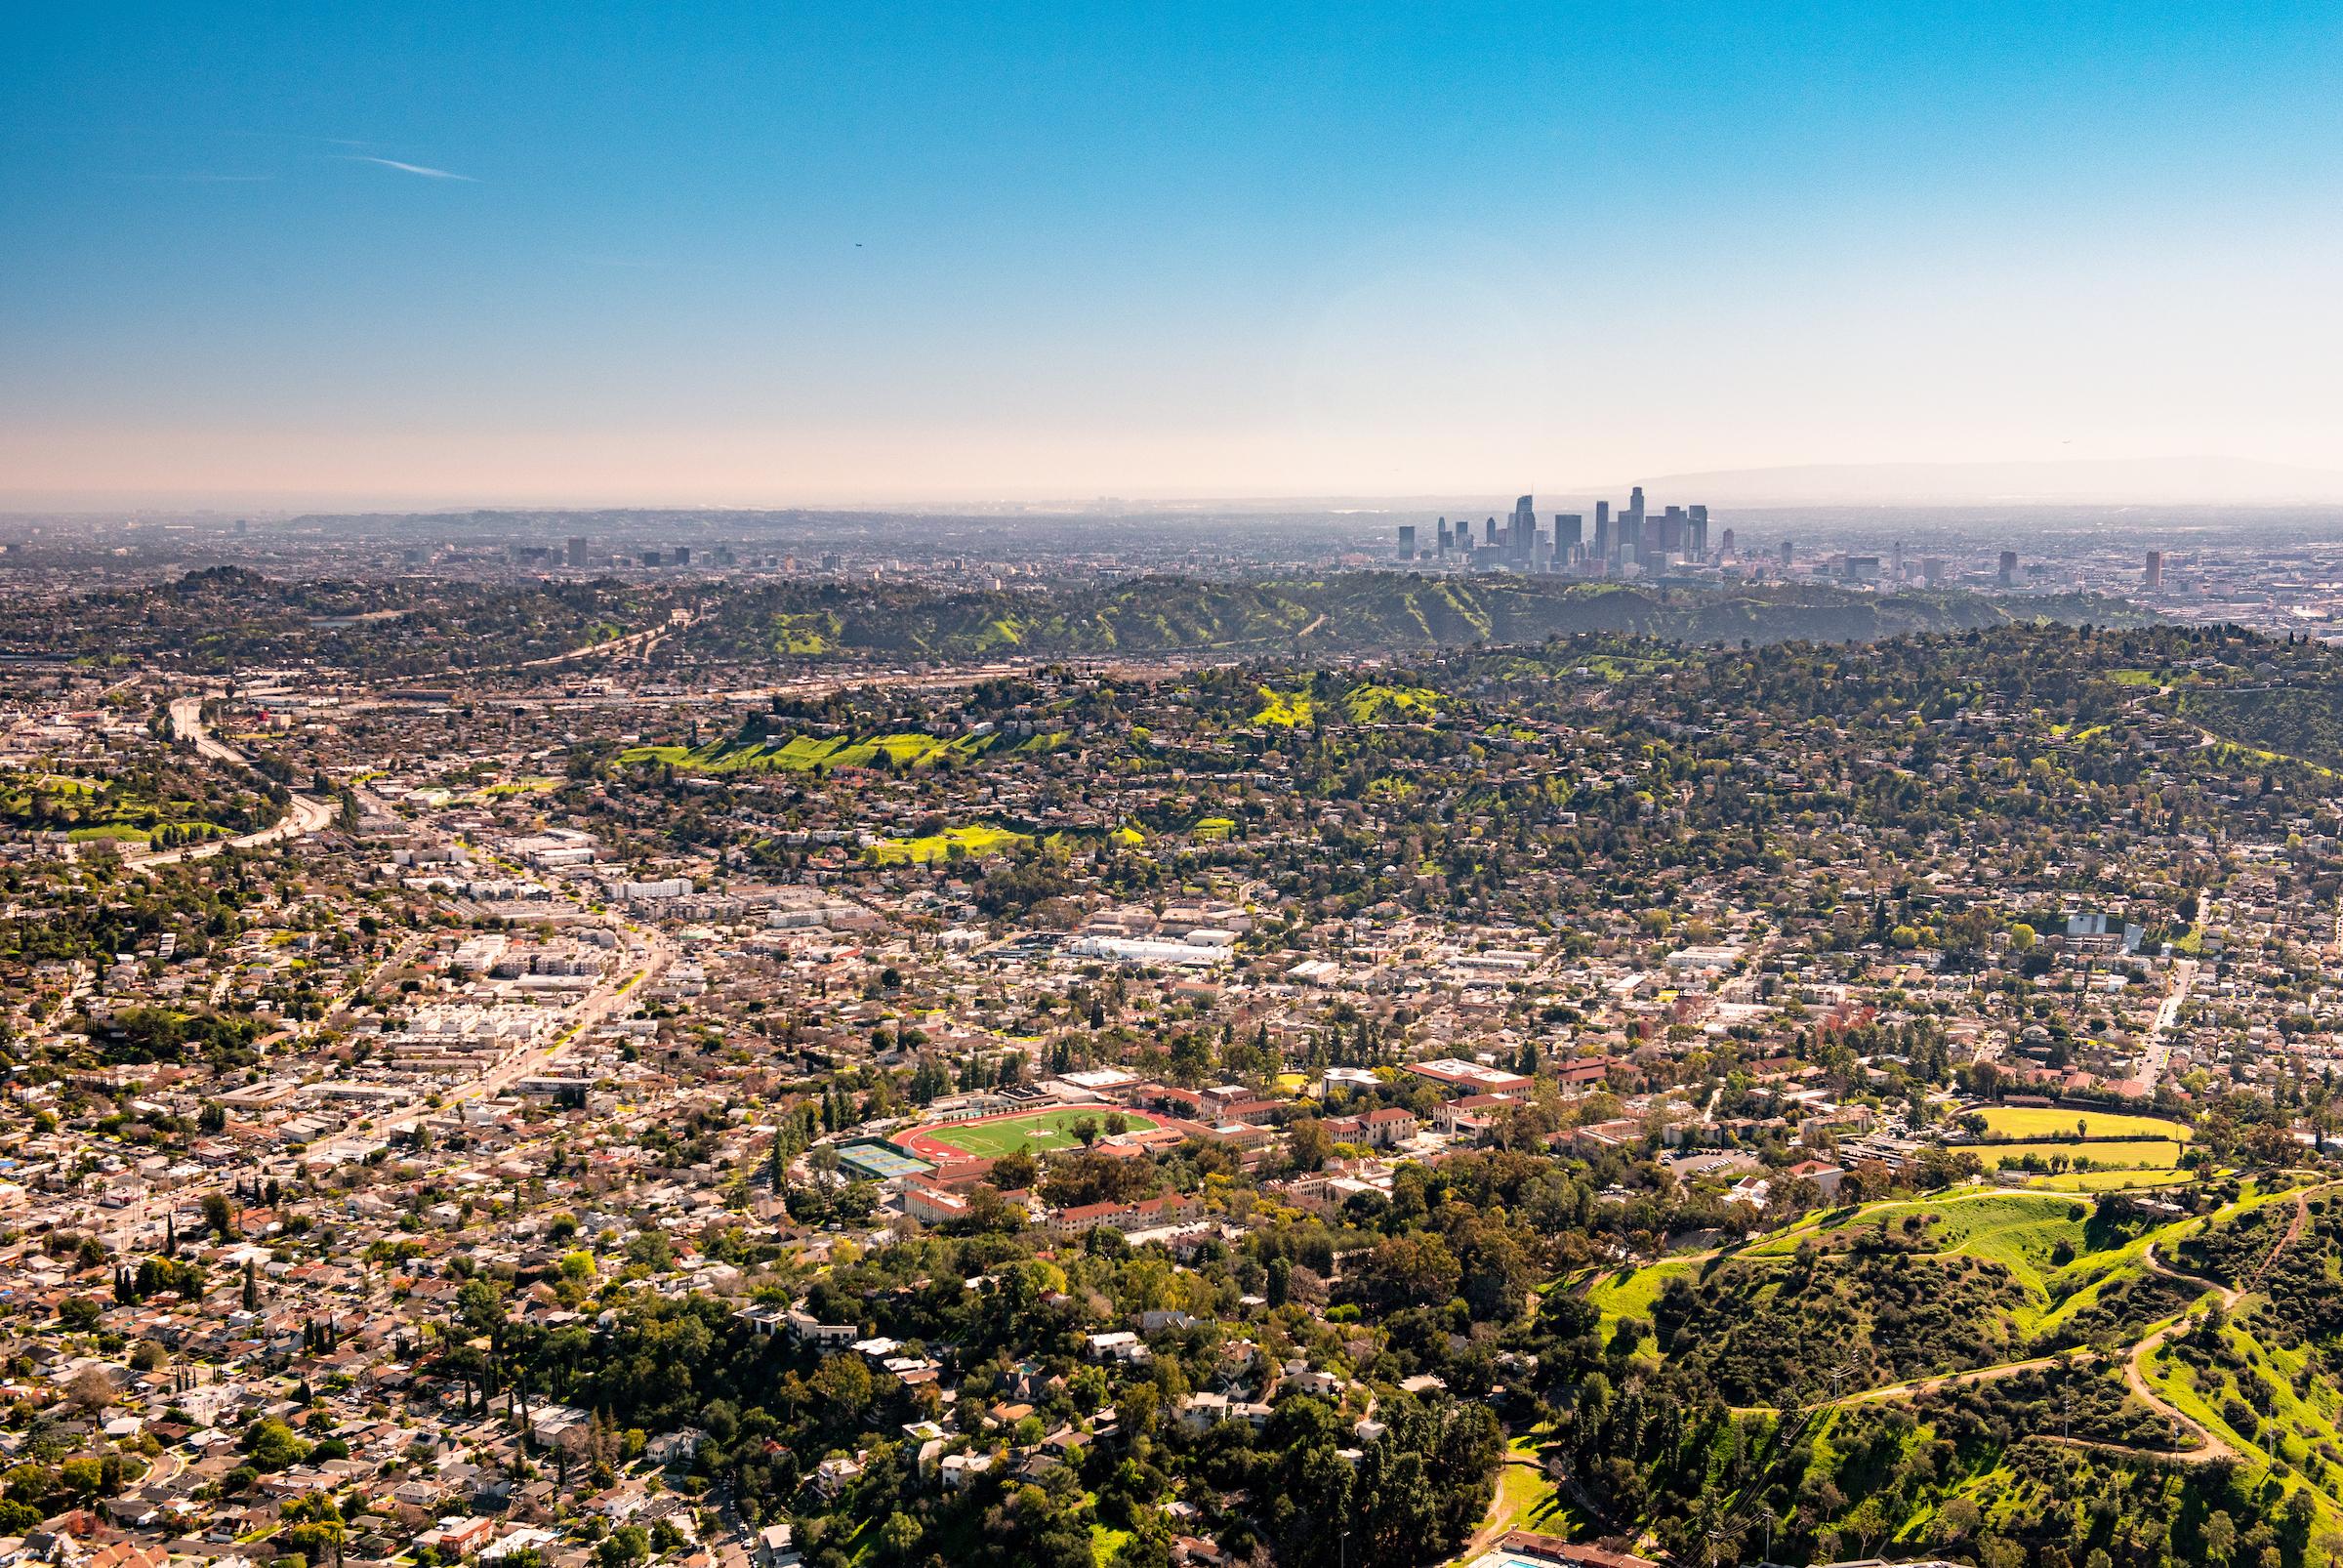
(2032, 1376)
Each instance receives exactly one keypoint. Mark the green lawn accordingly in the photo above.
(2046, 1122)
(102, 807)
(1041, 1131)
(2019, 1230)
(1633, 1293)
(1525, 1499)
(523, 786)
(2140, 1154)
(121, 831)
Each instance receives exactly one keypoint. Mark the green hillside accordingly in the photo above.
(1336, 612)
(754, 751)
(2005, 1377)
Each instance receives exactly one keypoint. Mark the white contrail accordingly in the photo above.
(413, 168)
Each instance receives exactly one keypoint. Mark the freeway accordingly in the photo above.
(303, 814)
(634, 644)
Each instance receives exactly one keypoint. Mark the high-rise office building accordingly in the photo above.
(577, 551)
(1696, 528)
(1489, 533)
(1569, 534)
(1673, 528)
(1407, 541)
(2154, 578)
(1787, 551)
(1725, 545)
(1524, 536)
(1632, 544)
(2009, 574)
(1444, 539)
(1602, 530)
(683, 554)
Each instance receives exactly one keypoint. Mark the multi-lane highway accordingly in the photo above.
(303, 814)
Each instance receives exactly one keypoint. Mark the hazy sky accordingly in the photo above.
(774, 253)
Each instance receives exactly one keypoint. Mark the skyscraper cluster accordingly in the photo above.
(1627, 543)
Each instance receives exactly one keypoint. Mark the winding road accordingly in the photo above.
(2211, 1447)
(303, 814)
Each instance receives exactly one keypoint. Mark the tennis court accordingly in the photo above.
(879, 1162)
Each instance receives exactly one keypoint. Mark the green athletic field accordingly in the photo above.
(1041, 1131)
(2020, 1122)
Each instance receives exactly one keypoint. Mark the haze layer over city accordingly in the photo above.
(1110, 787)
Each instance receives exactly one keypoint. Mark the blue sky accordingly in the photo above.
(780, 253)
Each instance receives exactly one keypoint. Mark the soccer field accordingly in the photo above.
(1041, 1131)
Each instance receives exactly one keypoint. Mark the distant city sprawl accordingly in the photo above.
(1501, 1060)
